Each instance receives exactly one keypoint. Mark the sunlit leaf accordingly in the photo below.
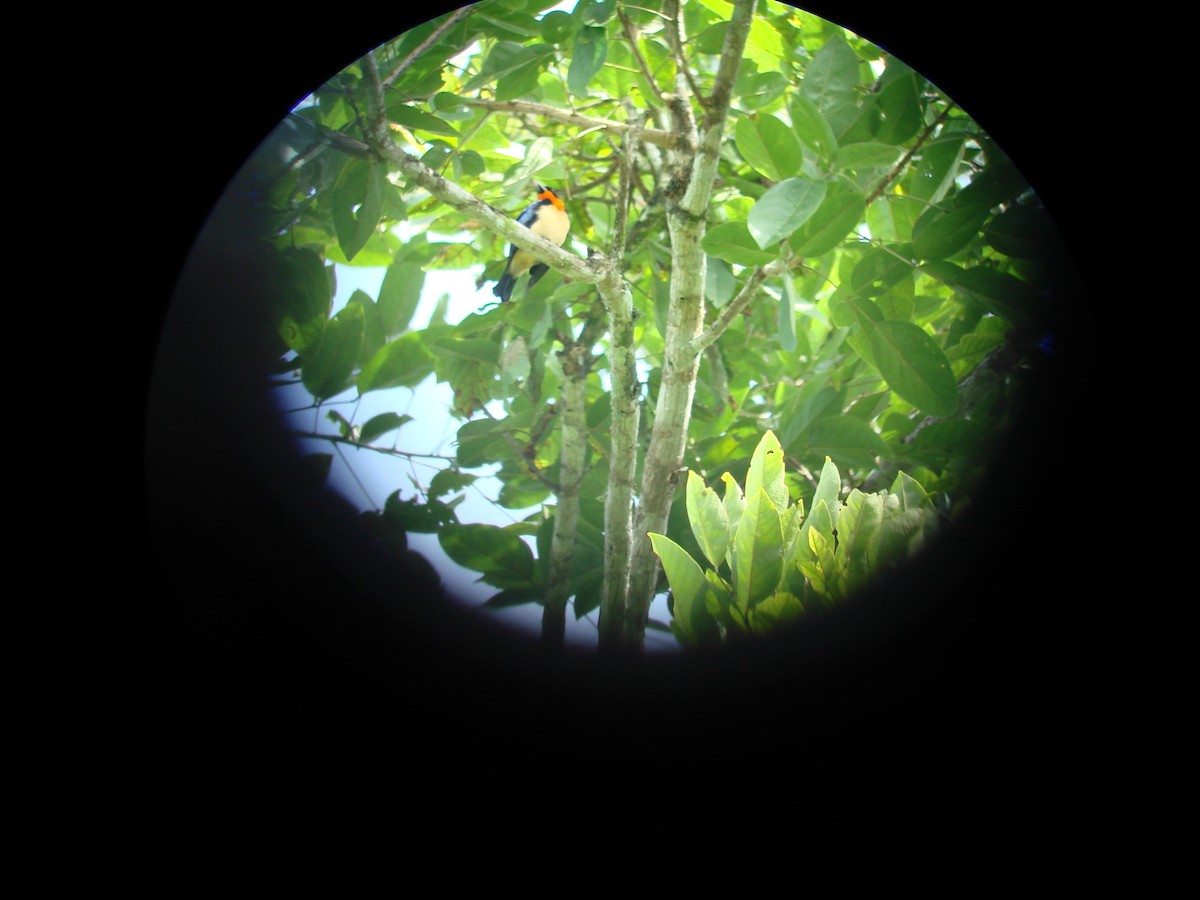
(692, 622)
(766, 471)
(708, 519)
(783, 209)
(758, 553)
(867, 155)
(811, 126)
(733, 242)
(832, 76)
(769, 146)
(836, 217)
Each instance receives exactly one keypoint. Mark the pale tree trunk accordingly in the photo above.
(571, 413)
(691, 171)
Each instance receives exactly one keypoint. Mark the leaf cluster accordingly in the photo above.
(769, 564)
(911, 256)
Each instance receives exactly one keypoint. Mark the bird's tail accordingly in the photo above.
(504, 286)
(537, 272)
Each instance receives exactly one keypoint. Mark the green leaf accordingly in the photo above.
(411, 515)
(849, 441)
(939, 235)
(708, 518)
(591, 49)
(766, 471)
(538, 155)
(867, 155)
(832, 76)
(720, 284)
(399, 295)
(999, 293)
(783, 209)
(1025, 232)
(557, 26)
(597, 12)
(357, 199)
(787, 316)
(910, 493)
(878, 271)
(998, 183)
(304, 298)
(518, 596)
(857, 526)
(915, 367)
(769, 146)
(448, 481)
(474, 440)
(488, 549)
(812, 127)
(900, 103)
(732, 242)
(734, 502)
(329, 370)
(381, 424)
(711, 40)
(692, 622)
(837, 216)
(475, 349)
(514, 67)
(757, 550)
(780, 609)
(404, 362)
(418, 120)
(829, 487)
(936, 170)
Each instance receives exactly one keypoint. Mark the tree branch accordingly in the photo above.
(631, 34)
(453, 19)
(891, 176)
(689, 193)
(675, 41)
(554, 114)
(569, 265)
(734, 308)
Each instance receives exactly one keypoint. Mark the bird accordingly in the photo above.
(546, 217)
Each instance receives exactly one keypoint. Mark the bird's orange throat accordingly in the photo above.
(553, 198)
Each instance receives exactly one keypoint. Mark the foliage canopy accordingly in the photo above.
(779, 229)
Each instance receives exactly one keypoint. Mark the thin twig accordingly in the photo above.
(554, 114)
(734, 308)
(675, 41)
(904, 160)
(632, 35)
(453, 19)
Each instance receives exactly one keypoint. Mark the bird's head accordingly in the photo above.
(545, 193)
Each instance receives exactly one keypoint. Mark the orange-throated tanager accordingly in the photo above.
(545, 217)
